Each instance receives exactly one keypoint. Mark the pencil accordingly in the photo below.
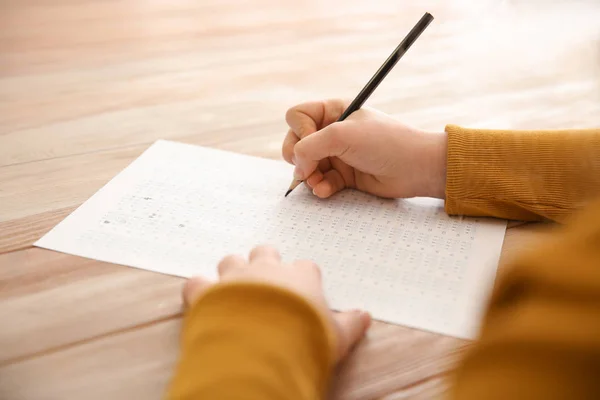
(381, 74)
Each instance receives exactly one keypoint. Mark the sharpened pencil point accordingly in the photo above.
(292, 186)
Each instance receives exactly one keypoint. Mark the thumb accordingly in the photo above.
(331, 141)
(352, 326)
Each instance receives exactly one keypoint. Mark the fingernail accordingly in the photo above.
(298, 173)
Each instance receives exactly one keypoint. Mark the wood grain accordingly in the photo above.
(71, 299)
(114, 367)
(86, 86)
(25, 231)
(121, 364)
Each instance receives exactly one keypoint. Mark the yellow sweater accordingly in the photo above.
(541, 335)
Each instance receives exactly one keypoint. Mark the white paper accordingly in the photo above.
(178, 209)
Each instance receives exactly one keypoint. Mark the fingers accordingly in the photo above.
(307, 118)
(309, 267)
(317, 175)
(352, 326)
(264, 253)
(193, 288)
(232, 262)
(314, 178)
(303, 118)
(331, 183)
(325, 165)
(328, 142)
(229, 263)
(288, 151)
(288, 146)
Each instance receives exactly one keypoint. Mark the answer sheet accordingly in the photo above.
(179, 209)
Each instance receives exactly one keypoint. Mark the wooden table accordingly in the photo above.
(86, 86)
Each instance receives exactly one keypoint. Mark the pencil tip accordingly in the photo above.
(288, 192)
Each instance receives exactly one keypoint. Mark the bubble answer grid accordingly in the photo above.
(178, 209)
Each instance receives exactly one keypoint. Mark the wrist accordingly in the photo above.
(435, 158)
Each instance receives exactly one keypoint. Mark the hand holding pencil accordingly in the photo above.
(369, 151)
(374, 82)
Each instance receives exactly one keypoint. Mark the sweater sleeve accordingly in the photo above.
(540, 337)
(521, 175)
(253, 341)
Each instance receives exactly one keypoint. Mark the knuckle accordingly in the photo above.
(300, 119)
(300, 131)
(293, 117)
(290, 114)
(287, 150)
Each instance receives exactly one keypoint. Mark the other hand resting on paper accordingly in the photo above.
(264, 331)
(302, 277)
(369, 151)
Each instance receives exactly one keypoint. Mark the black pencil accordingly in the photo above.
(381, 74)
